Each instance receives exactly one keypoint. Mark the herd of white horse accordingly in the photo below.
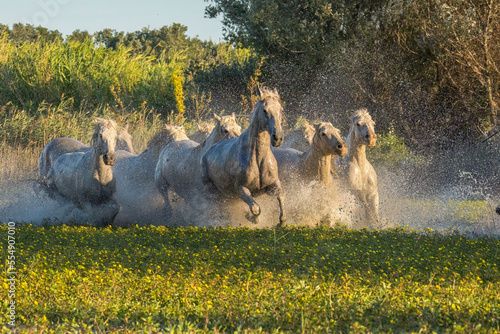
(111, 183)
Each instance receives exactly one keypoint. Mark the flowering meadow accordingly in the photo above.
(291, 280)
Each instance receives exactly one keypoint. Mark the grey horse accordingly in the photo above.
(245, 166)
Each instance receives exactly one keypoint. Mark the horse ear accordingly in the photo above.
(259, 91)
(126, 127)
(233, 115)
(217, 117)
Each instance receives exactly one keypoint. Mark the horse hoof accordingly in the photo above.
(255, 210)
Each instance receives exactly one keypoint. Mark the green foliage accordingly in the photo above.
(435, 60)
(296, 279)
(36, 73)
(36, 128)
(22, 33)
(391, 149)
(228, 73)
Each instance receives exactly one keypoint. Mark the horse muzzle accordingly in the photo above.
(341, 150)
(109, 159)
(276, 140)
(371, 140)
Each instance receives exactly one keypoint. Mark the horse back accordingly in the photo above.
(54, 149)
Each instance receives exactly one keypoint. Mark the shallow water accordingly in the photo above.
(305, 204)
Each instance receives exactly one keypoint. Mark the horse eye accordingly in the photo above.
(323, 134)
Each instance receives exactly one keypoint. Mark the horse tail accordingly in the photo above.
(160, 181)
(205, 175)
(43, 165)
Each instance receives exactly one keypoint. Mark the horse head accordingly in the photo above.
(104, 140)
(269, 112)
(363, 128)
(227, 126)
(327, 138)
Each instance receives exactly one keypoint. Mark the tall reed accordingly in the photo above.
(35, 73)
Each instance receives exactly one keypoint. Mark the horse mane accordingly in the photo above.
(227, 119)
(206, 126)
(101, 124)
(308, 131)
(265, 92)
(362, 112)
(167, 132)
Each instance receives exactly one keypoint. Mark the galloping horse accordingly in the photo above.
(245, 166)
(360, 174)
(86, 179)
(136, 191)
(59, 146)
(178, 166)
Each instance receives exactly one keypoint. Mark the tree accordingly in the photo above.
(79, 36)
(454, 45)
(22, 33)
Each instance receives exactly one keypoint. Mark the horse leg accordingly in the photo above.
(362, 198)
(276, 190)
(372, 201)
(245, 194)
(162, 186)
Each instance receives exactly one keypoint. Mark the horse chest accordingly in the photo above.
(361, 178)
(261, 174)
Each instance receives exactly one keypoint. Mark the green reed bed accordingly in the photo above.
(296, 279)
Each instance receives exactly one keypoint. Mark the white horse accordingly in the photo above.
(136, 191)
(245, 166)
(59, 146)
(86, 178)
(360, 174)
(307, 177)
(178, 167)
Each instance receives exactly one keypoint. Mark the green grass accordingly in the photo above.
(296, 279)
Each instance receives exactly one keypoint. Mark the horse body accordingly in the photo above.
(361, 176)
(245, 165)
(178, 166)
(59, 146)
(53, 150)
(86, 178)
(136, 191)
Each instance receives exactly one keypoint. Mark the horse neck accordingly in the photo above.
(258, 141)
(316, 164)
(103, 171)
(355, 153)
(213, 138)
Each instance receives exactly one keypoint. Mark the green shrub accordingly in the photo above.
(392, 150)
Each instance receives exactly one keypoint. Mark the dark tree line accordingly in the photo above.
(429, 67)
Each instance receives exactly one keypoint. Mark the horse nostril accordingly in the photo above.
(340, 146)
